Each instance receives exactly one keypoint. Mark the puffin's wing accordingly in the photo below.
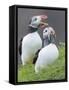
(20, 46)
(36, 56)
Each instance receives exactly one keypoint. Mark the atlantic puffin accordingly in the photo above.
(32, 42)
(49, 53)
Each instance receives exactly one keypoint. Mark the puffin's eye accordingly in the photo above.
(35, 19)
(45, 30)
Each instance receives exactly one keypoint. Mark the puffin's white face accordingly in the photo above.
(37, 21)
(48, 31)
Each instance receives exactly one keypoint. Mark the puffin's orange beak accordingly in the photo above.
(43, 22)
(53, 33)
(43, 16)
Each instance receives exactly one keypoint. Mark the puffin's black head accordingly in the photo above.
(38, 22)
(49, 35)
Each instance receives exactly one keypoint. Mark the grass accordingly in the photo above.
(55, 71)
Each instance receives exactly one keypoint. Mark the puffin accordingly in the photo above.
(32, 42)
(49, 53)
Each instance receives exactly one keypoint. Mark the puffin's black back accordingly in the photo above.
(20, 47)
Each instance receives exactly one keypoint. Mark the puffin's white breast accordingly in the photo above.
(30, 45)
(46, 56)
(32, 42)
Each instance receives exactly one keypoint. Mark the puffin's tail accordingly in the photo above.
(20, 46)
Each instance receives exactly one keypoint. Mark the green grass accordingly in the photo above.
(55, 71)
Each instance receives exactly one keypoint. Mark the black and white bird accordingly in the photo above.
(49, 53)
(32, 42)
